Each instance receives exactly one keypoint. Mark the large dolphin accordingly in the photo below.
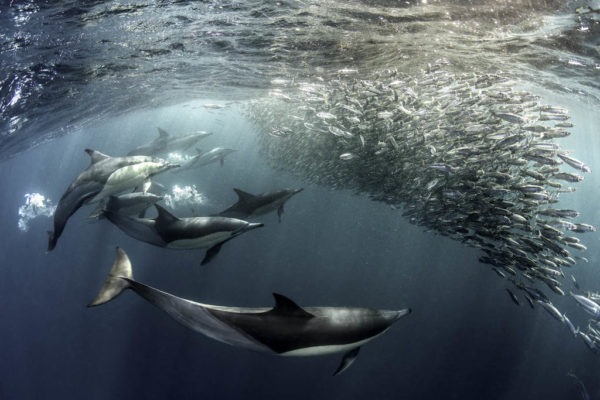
(165, 144)
(286, 329)
(167, 230)
(104, 176)
(249, 205)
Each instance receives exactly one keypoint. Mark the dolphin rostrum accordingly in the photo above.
(165, 143)
(286, 329)
(249, 205)
(104, 176)
(167, 230)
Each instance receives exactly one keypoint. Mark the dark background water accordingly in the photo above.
(109, 73)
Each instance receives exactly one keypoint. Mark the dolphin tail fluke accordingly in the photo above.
(347, 361)
(117, 279)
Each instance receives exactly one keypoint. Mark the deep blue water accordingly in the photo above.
(465, 338)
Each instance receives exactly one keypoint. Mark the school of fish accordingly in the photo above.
(466, 155)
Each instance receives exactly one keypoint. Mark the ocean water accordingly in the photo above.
(106, 74)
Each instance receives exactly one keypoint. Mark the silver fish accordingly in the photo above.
(591, 307)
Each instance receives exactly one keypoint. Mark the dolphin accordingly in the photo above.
(165, 143)
(134, 203)
(104, 176)
(202, 159)
(166, 230)
(249, 205)
(285, 329)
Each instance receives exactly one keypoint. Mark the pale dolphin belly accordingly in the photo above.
(327, 349)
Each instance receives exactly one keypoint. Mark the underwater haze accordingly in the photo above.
(448, 153)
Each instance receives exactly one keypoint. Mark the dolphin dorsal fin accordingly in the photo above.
(286, 307)
(162, 134)
(164, 217)
(96, 156)
(243, 196)
(162, 138)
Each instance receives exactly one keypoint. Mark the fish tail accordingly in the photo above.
(117, 280)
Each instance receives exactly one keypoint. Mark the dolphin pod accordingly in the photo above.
(285, 329)
(104, 177)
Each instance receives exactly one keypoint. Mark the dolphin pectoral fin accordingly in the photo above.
(280, 212)
(98, 212)
(347, 360)
(116, 281)
(52, 239)
(147, 185)
(212, 252)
